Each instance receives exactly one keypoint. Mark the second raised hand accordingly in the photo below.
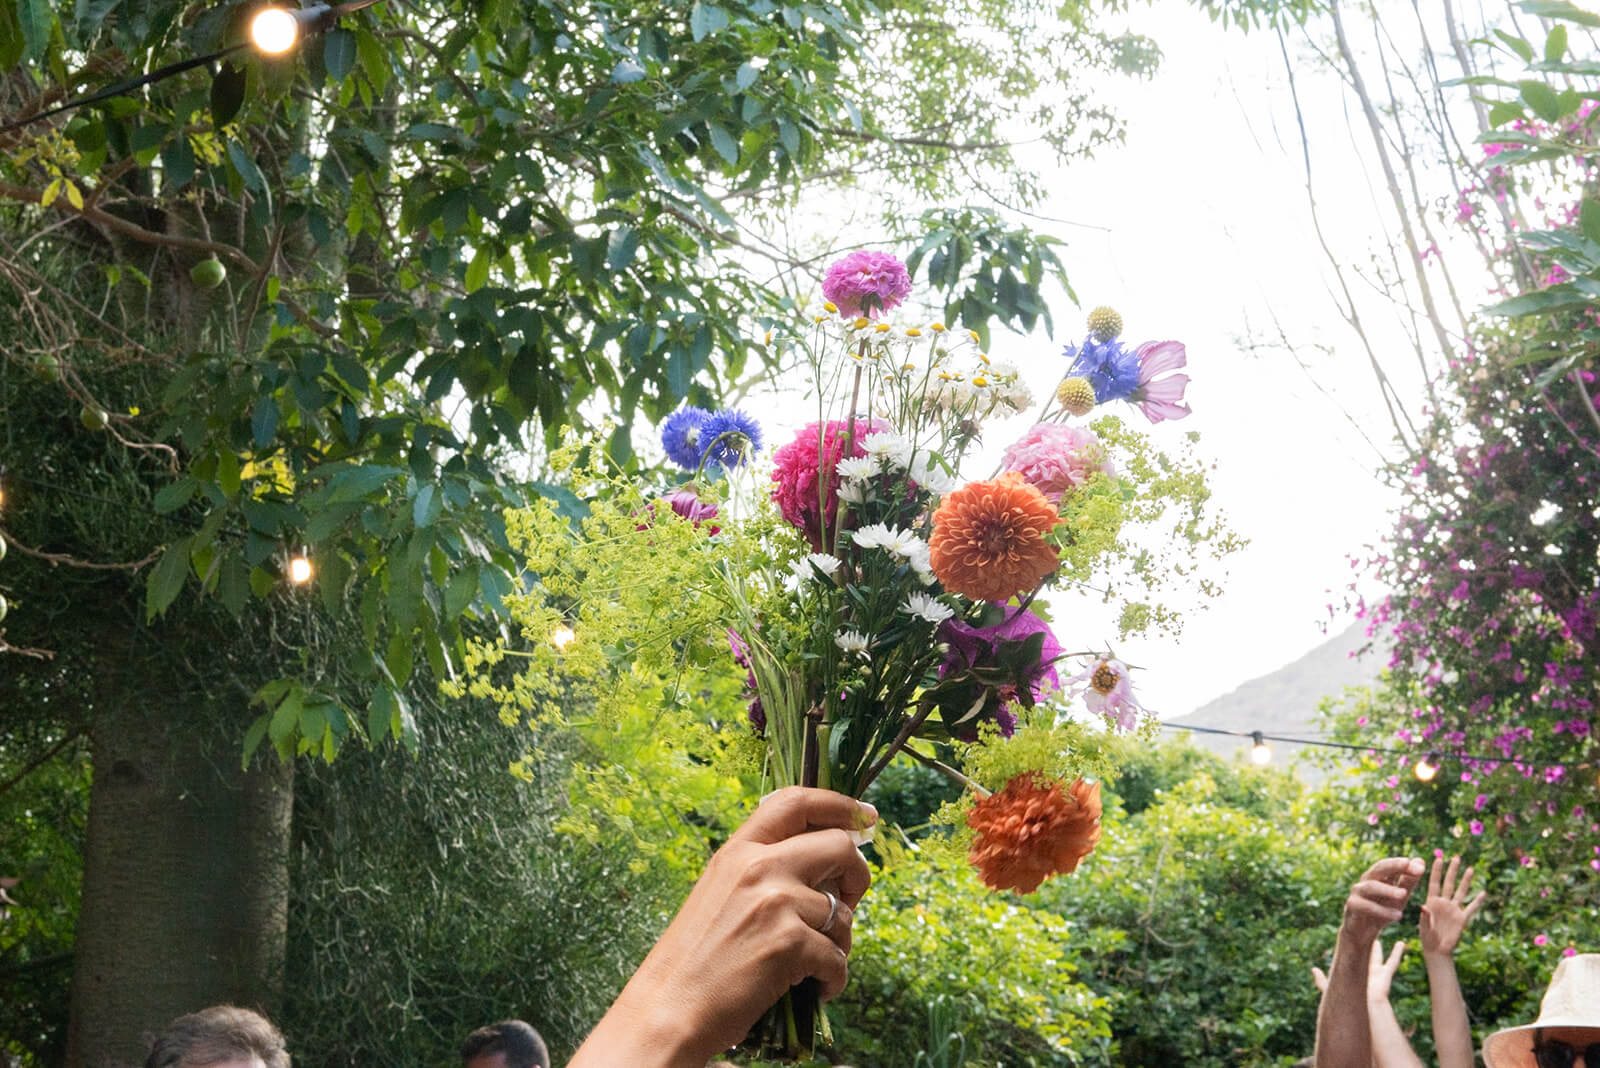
(1446, 912)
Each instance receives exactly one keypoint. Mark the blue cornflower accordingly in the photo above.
(1112, 370)
(731, 437)
(682, 435)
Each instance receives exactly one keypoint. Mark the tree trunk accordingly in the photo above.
(185, 887)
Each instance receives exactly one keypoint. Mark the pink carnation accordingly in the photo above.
(795, 467)
(866, 283)
(1057, 458)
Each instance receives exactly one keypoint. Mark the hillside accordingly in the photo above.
(1284, 702)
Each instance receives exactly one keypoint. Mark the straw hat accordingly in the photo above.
(1573, 1001)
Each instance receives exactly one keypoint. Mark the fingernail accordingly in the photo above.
(870, 812)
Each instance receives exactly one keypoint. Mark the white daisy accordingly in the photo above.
(931, 475)
(890, 449)
(825, 563)
(853, 492)
(852, 641)
(925, 607)
(858, 468)
(876, 536)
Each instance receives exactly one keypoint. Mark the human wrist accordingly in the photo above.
(644, 1029)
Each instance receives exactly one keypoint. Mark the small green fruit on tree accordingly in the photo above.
(4, 608)
(47, 368)
(93, 418)
(208, 274)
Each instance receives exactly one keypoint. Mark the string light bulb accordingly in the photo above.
(563, 636)
(1427, 767)
(299, 569)
(274, 30)
(1260, 752)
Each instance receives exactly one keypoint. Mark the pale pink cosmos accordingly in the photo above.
(1057, 459)
(1163, 398)
(1107, 691)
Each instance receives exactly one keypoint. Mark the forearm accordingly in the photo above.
(1390, 1048)
(1344, 1037)
(1452, 1034)
(644, 1029)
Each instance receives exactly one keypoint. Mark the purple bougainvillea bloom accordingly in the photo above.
(866, 284)
(1161, 398)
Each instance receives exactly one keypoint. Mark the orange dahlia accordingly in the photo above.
(988, 538)
(1033, 829)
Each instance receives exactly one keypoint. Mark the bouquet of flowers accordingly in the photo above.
(899, 607)
(861, 597)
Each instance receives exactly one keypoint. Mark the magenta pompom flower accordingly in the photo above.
(795, 470)
(1161, 399)
(866, 284)
(1057, 459)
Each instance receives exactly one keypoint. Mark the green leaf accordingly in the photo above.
(478, 270)
(426, 508)
(723, 142)
(353, 483)
(249, 173)
(621, 245)
(1589, 219)
(227, 94)
(748, 73)
(12, 44)
(175, 495)
(264, 422)
(228, 477)
(339, 53)
(36, 19)
(1517, 45)
(1562, 296)
(1555, 45)
(1560, 9)
(253, 736)
(706, 19)
(398, 658)
(1541, 98)
(167, 578)
(286, 717)
(233, 584)
(374, 58)
(459, 593)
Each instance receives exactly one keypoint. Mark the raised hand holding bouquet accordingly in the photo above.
(876, 602)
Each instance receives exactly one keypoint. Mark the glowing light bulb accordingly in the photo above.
(563, 636)
(1427, 767)
(1260, 752)
(299, 570)
(274, 30)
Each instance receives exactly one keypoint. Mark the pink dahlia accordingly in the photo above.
(866, 283)
(1057, 459)
(795, 469)
(1161, 399)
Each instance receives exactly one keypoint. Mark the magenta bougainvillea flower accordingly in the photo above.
(866, 284)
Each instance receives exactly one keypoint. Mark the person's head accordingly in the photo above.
(508, 1044)
(1567, 1032)
(222, 1036)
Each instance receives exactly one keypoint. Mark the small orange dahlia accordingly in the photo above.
(1033, 829)
(988, 538)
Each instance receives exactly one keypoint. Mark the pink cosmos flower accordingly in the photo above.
(1541, 940)
(795, 470)
(866, 283)
(1161, 399)
(1108, 691)
(1057, 459)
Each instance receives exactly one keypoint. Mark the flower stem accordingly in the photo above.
(946, 770)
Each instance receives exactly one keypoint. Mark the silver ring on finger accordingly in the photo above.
(833, 913)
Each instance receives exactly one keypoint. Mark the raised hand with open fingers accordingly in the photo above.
(1447, 911)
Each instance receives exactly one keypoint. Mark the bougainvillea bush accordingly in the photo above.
(1492, 569)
